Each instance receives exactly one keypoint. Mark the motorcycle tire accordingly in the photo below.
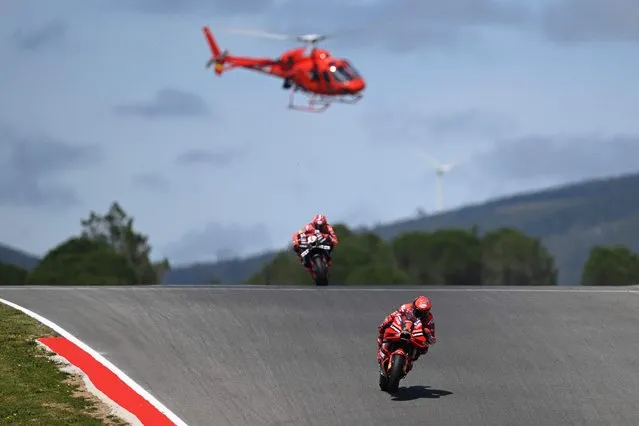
(383, 382)
(321, 271)
(396, 372)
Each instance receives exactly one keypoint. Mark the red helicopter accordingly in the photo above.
(321, 77)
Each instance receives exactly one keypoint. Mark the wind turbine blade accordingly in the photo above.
(447, 167)
(450, 166)
(459, 162)
(433, 161)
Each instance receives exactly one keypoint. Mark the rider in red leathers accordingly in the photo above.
(319, 223)
(418, 308)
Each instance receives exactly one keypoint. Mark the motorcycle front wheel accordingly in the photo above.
(383, 382)
(396, 372)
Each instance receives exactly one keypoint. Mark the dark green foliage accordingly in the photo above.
(377, 274)
(444, 257)
(285, 268)
(12, 274)
(616, 265)
(512, 258)
(82, 261)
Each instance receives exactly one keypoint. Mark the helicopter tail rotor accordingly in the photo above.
(217, 55)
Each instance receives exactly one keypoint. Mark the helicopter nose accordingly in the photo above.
(357, 85)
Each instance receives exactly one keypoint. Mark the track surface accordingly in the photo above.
(269, 356)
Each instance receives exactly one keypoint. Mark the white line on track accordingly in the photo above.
(121, 375)
(560, 289)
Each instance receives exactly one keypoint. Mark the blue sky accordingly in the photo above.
(109, 100)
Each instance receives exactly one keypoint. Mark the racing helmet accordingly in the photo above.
(421, 307)
(319, 221)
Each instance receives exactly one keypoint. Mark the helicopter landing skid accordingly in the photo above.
(347, 99)
(315, 103)
(320, 103)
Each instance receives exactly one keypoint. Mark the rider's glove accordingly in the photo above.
(430, 339)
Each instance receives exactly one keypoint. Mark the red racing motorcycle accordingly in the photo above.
(316, 254)
(403, 339)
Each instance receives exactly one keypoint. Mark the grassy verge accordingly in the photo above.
(33, 390)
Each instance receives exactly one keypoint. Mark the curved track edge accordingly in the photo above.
(101, 360)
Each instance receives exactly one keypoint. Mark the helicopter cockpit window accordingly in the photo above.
(339, 73)
(350, 70)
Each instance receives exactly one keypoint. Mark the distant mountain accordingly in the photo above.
(227, 271)
(13, 256)
(569, 220)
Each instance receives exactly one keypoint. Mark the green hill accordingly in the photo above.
(569, 220)
(13, 256)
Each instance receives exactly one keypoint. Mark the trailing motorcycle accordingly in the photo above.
(403, 338)
(316, 254)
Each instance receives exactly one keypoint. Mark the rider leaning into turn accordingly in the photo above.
(418, 308)
(319, 223)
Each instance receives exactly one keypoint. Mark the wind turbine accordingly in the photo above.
(441, 169)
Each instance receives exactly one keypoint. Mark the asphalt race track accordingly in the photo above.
(284, 356)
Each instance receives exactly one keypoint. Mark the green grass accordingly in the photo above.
(33, 391)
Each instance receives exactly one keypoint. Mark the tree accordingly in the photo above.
(285, 269)
(357, 250)
(411, 251)
(82, 261)
(511, 258)
(116, 230)
(377, 274)
(12, 274)
(454, 257)
(444, 257)
(611, 266)
(160, 269)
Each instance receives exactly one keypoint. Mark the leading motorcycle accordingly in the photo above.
(404, 337)
(316, 253)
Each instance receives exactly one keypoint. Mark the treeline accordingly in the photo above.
(108, 251)
(453, 256)
(615, 265)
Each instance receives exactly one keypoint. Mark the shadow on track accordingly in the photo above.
(419, 392)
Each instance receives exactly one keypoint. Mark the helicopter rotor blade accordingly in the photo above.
(304, 38)
(259, 33)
